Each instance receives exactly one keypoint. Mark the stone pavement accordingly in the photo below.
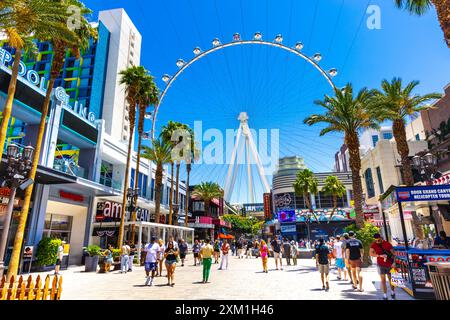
(244, 279)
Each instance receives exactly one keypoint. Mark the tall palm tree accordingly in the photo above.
(305, 185)
(19, 20)
(334, 187)
(160, 154)
(190, 157)
(133, 78)
(420, 7)
(348, 114)
(147, 94)
(207, 191)
(167, 133)
(185, 133)
(69, 40)
(396, 103)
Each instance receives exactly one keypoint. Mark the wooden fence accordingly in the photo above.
(29, 290)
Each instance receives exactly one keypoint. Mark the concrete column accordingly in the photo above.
(348, 197)
(38, 214)
(90, 214)
(51, 132)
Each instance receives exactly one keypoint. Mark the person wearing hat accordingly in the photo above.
(355, 253)
(384, 252)
(151, 250)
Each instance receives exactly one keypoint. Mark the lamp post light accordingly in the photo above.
(427, 167)
(18, 167)
(132, 197)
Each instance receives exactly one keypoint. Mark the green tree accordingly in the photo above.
(306, 184)
(348, 114)
(160, 154)
(20, 20)
(47, 251)
(365, 235)
(334, 187)
(207, 191)
(420, 7)
(71, 41)
(191, 156)
(396, 103)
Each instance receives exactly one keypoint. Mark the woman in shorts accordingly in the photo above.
(216, 251)
(170, 254)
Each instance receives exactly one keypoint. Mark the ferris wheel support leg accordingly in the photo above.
(231, 165)
(258, 164)
(235, 172)
(249, 171)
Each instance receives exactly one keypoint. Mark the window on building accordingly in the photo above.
(380, 180)
(387, 135)
(417, 137)
(152, 189)
(58, 226)
(374, 140)
(369, 183)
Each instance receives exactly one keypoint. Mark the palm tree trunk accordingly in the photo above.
(171, 193)
(308, 204)
(136, 175)
(352, 142)
(443, 13)
(175, 222)
(57, 64)
(127, 177)
(398, 128)
(334, 207)
(158, 186)
(6, 113)
(188, 169)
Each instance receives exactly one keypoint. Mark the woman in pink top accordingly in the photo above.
(264, 250)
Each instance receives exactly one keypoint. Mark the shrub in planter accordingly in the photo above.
(47, 251)
(91, 261)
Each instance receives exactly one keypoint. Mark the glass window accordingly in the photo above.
(369, 183)
(374, 140)
(387, 135)
(380, 180)
(58, 226)
(417, 137)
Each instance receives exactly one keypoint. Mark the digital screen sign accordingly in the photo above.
(286, 216)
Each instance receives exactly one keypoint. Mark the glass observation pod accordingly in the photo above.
(236, 37)
(197, 51)
(258, 36)
(216, 42)
(279, 38)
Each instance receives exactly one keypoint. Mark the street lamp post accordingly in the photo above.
(132, 195)
(176, 207)
(427, 167)
(19, 164)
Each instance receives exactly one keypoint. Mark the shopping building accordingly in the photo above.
(83, 159)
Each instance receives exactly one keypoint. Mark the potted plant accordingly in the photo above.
(116, 258)
(47, 252)
(91, 260)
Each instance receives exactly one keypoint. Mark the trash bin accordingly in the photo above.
(440, 278)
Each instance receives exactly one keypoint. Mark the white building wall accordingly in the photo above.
(414, 128)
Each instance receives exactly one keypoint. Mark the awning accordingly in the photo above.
(225, 236)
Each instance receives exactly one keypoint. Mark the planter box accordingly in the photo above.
(91, 264)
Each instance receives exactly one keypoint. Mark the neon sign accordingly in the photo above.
(77, 109)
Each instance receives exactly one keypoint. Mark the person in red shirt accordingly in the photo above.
(384, 252)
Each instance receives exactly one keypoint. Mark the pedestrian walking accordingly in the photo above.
(59, 257)
(183, 251)
(225, 249)
(276, 248)
(124, 258)
(294, 252)
(239, 246)
(323, 262)
(196, 250)
(108, 258)
(264, 251)
(151, 259)
(160, 256)
(170, 254)
(216, 251)
(339, 255)
(355, 252)
(206, 254)
(132, 253)
(346, 258)
(384, 252)
(287, 251)
(233, 248)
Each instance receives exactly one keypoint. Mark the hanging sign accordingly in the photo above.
(423, 193)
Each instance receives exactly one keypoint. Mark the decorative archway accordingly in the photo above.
(257, 40)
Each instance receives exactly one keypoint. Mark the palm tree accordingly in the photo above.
(419, 7)
(348, 114)
(167, 133)
(19, 20)
(133, 79)
(67, 40)
(193, 155)
(306, 184)
(207, 191)
(160, 154)
(185, 133)
(147, 94)
(334, 187)
(396, 103)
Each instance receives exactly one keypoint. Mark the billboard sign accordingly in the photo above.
(423, 193)
(286, 216)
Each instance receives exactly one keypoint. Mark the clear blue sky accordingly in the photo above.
(277, 88)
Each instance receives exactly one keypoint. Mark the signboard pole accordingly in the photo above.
(385, 225)
(402, 221)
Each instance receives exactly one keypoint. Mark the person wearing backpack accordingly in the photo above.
(384, 252)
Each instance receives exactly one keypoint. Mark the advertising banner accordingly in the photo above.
(423, 193)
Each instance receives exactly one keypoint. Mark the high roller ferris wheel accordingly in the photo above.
(243, 131)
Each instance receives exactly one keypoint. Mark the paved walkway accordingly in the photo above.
(243, 280)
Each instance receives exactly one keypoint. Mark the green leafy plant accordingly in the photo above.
(93, 251)
(47, 251)
(115, 254)
(244, 225)
(365, 235)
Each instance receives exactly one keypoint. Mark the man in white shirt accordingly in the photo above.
(150, 260)
(339, 255)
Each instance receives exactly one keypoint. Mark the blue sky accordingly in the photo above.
(276, 88)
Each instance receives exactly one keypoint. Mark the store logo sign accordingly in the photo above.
(108, 211)
(31, 77)
(77, 109)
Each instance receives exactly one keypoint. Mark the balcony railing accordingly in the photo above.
(65, 166)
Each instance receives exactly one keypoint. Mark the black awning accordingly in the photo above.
(44, 175)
